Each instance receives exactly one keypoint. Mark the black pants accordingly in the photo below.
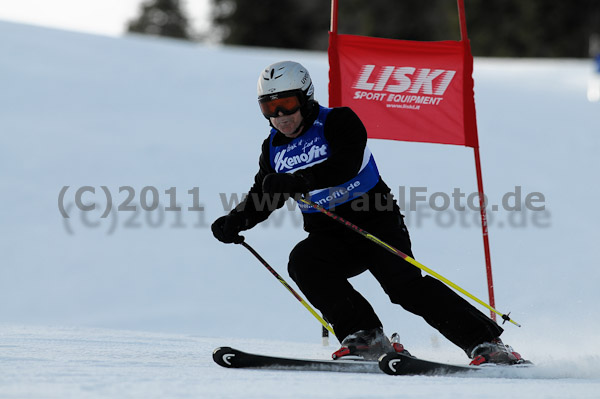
(322, 264)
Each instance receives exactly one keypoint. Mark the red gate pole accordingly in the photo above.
(334, 16)
(335, 89)
(484, 230)
(482, 203)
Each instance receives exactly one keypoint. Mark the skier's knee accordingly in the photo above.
(298, 260)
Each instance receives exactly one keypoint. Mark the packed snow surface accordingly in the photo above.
(53, 362)
(132, 304)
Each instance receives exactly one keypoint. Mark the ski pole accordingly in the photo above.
(505, 317)
(290, 289)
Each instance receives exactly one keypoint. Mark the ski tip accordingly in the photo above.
(223, 356)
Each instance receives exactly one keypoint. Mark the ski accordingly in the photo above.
(233, 358)
(399, 364)
(391, 363)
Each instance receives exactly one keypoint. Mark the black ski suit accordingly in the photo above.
(322, 263)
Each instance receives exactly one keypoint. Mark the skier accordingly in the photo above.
(323, 151)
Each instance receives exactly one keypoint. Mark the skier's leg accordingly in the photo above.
(442, 308)
(321, 265)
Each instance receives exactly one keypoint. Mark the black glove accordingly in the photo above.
(227, 228)
(287, 184)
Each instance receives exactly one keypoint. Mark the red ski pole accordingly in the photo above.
(290, 289)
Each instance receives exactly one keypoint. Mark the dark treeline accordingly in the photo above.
(498, 28)
(161, 18)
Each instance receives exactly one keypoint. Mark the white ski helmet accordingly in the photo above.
(286, 78)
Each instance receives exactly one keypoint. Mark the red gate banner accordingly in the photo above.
(405, 90)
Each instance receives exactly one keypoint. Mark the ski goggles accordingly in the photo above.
(286, 103)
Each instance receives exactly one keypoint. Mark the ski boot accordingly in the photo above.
(495, 352)
(368, 345)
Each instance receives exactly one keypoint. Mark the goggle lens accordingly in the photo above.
(286, 105)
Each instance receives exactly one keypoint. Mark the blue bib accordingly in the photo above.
(312, 148)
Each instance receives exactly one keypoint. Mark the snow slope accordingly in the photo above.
(142, 293)
(62, 362)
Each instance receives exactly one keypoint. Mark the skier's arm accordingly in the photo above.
(257, 206)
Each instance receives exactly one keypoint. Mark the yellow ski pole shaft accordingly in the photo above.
(290, 289)
(407, 258)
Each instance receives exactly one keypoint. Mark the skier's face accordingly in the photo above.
(288, 124)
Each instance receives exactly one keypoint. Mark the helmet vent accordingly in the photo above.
(273, 73)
